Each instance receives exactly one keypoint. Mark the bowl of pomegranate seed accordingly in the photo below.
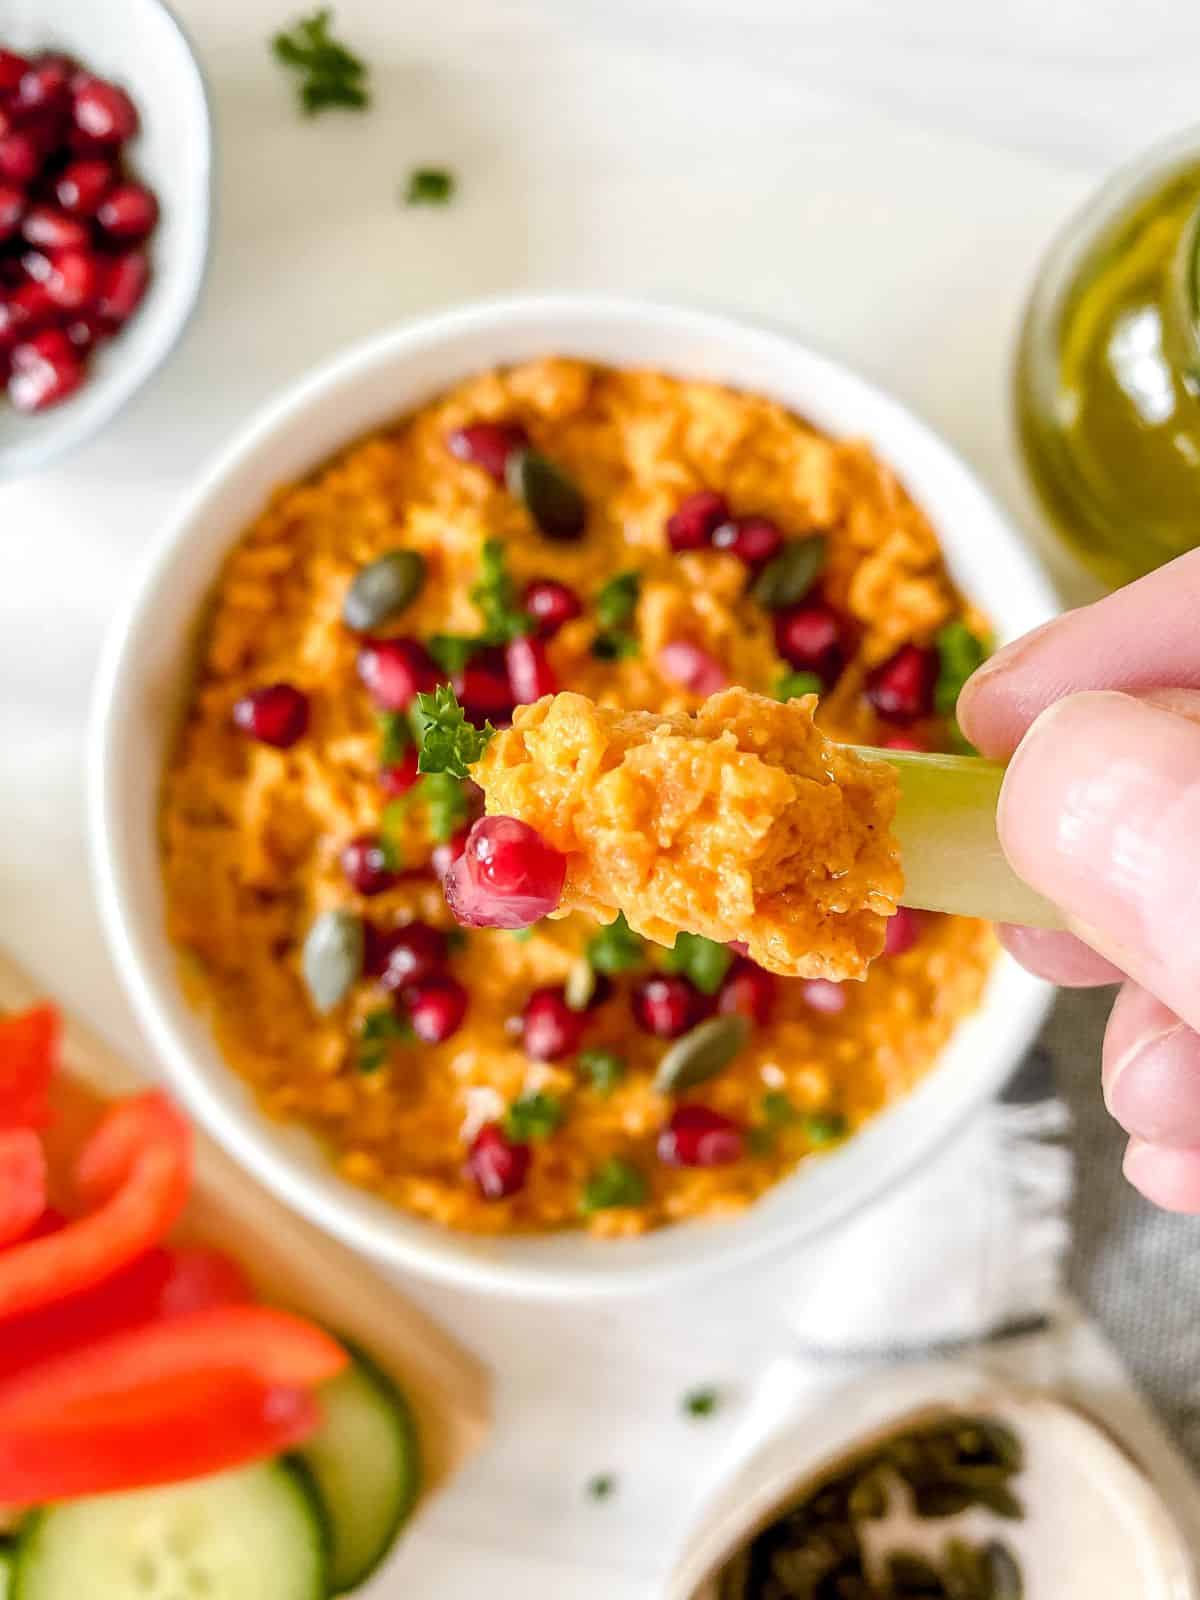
(563, 1111)
(105, 157)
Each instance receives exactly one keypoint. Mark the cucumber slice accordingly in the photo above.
(253, 1534)
(366, 1465)
(6, 1571)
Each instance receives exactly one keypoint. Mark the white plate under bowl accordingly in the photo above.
(144, 679)
(140, 45)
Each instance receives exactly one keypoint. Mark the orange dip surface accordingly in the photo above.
(414, 1090)
(739, 821)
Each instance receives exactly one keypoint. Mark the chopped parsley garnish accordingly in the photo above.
(616, 645)
(617, 600)
(959, 653)
(429, 186)
(449, 743)
(452, 651)
(777, 1109)
(795, 684)
(392, 821)
(601, 1486)
(330, 74)
(522, 934)
(616, 948)
(702, 961)
(379, 1030)
(824, 1127)
(603, 1068)
(533, 1116)
(701, 1402)
(395, 736)
(445, 802)
(495, 595)
(614, 1183)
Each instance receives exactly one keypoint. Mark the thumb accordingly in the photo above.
(1100, 811)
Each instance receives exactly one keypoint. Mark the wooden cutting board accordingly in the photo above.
(292, 1263)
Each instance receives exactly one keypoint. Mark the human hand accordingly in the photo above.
(1100, 811)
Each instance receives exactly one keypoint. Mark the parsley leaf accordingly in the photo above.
(605, 1069)
(332, 75)
(616, 948)
(378, 1031)
(533, 1116)
(617, 600)
(824, 1127)
(702, 961)
(452, 651)
(429, 186)
(601, 1486)
(495, 595)
(614, 1183)
(794, 684)
(449, 743)
(616, 645)
(959, 653)
(701, 1402)
(777, 1109)
(395, 736)
(445, 802)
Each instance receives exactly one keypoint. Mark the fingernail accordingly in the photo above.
(1100, 811)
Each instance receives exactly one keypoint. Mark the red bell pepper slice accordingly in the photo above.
(165, 1282)
(164, 1432)
(275, 1348)
(22, 1182)
(28, 1056)
(135, 1169)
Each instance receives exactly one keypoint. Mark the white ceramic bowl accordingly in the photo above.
(144, 677)
(140, 45)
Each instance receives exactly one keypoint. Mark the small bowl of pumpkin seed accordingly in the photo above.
(935, 1484)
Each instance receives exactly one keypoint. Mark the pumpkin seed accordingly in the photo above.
(1000, 1501)
(382, 588)
(701, 1054)
(791, 574)
(941, 1499)
(580, 985)
(1001, 1572)
(552, 500)
(1001, 1444)
(332, 959)
(911, 1574)
(963, 1576)
(869, 1497)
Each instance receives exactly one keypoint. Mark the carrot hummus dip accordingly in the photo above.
(738, 822)
(646, 543)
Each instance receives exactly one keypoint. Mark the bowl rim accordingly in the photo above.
(76, 428)
(394, 1237)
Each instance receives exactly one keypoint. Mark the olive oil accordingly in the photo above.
(1108, 382)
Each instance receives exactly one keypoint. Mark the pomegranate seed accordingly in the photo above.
(126, 283)
(396, 671)
(550, 604)
(81, 186)
(697, 1136)
(507, 876)
(822, 994)
(498, 1166)
(487, 445)
(12, 69)
(45, 370)
(903, 931)
(436, 1008)
(748, 991)
(365, 863)
(443, 856)
(46, 83)
(530, 674)
(692, 667)
(20, 157)
(399, 778)
(12, 209)
(809, 637)
(30, 307)
(85, 332)
(753, 540)
(405, 956)
(905, 741)
(666, 1005)
(276, 714)
(482, 686)
(902, 688)
(51, 229)
(102, 111)
(71, 278)
(129, 211)
(696, 519)
(550, 1030)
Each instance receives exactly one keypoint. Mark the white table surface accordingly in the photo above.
(879, 175)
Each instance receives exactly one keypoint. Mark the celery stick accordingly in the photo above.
(946, 829)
